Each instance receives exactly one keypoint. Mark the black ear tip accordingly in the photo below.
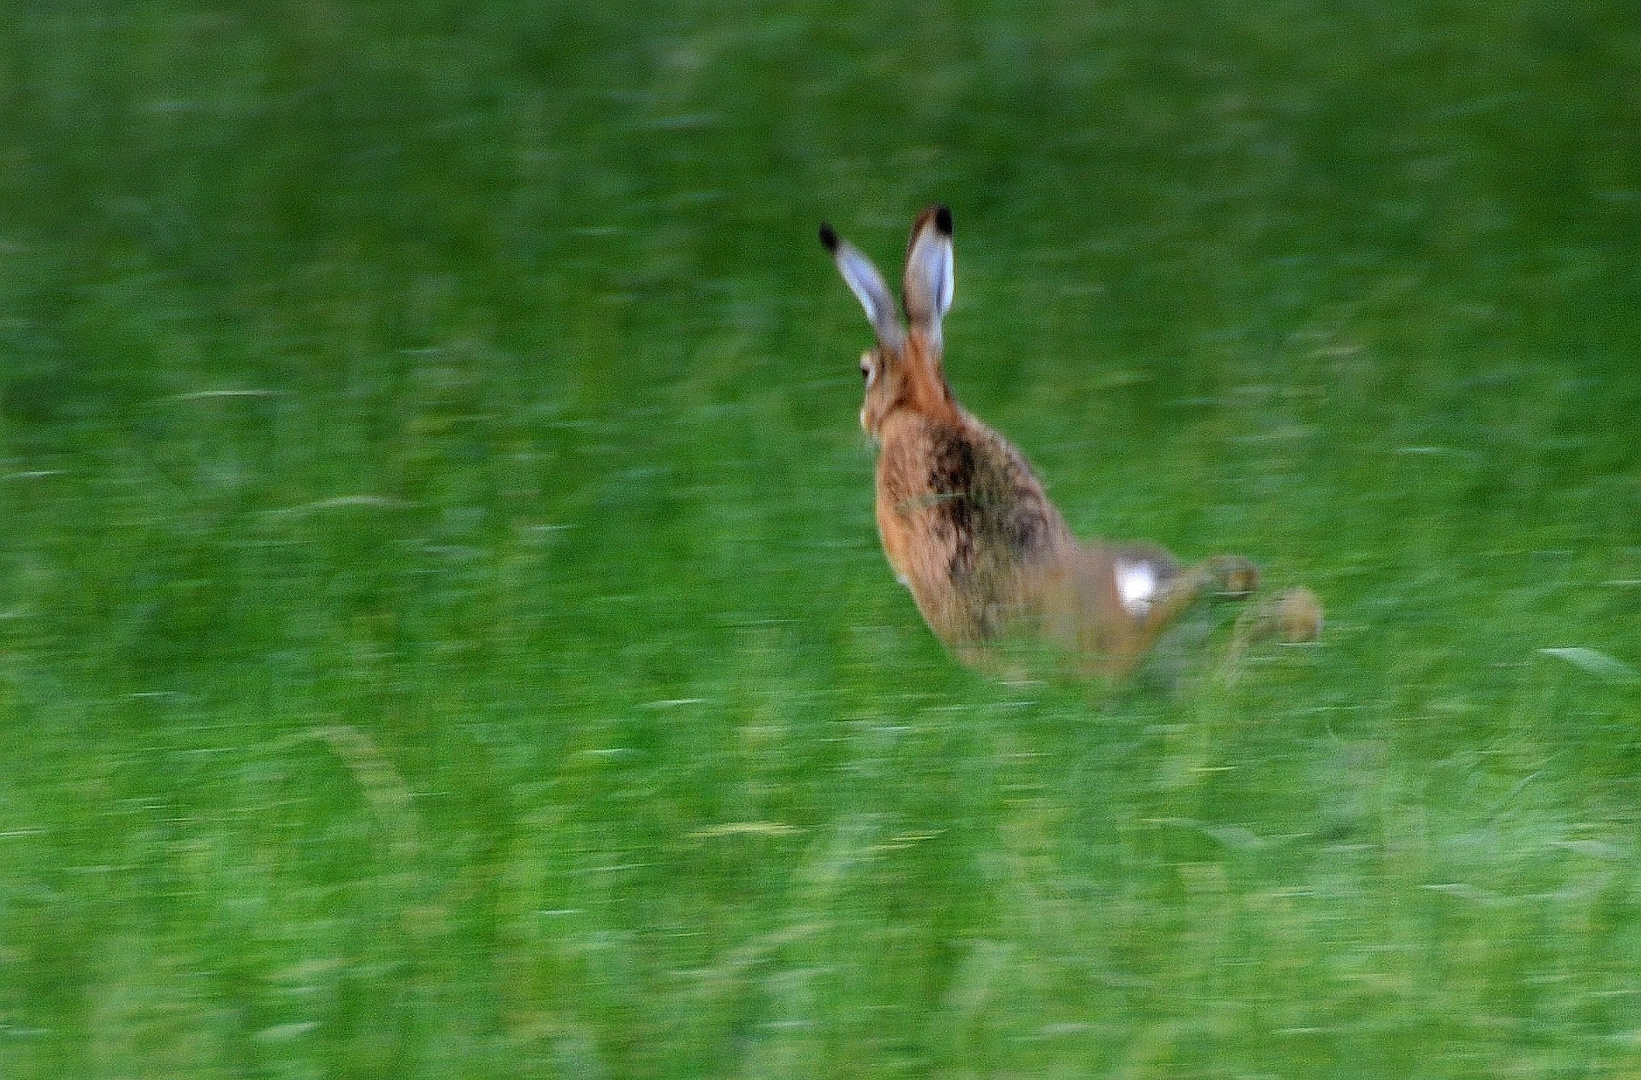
(828, 237)
(943, 219)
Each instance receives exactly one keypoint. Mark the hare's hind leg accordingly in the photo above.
(1229, 576)
(1294, 615)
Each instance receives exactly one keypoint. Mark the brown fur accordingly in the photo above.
(966, 524)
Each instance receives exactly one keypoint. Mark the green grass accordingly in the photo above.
(442, 631)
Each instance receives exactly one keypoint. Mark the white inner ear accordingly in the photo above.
(865, 282)
(932, 266)
(1136, 585)
(872, 291)
(947, 276)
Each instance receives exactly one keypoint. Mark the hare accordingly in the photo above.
(966, 524)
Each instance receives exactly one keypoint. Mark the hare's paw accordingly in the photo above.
(1233, 576)
(1297, 615)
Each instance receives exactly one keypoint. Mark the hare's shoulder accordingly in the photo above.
(1022, 518)
(966, 479)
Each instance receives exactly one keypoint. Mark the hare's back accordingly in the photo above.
(965, 491)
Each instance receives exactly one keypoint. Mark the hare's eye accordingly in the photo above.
(868, 370)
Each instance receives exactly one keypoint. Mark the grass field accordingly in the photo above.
(442, 632)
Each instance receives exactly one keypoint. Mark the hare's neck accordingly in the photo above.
(927, 391)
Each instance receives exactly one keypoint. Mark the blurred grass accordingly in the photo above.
(441, 629)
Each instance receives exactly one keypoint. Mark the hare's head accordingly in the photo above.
(904, 371)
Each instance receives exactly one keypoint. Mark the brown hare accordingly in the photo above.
(966, 524)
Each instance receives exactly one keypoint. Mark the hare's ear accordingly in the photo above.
(868, 286)
(929, 276)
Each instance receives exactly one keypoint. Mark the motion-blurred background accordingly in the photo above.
(442, 631)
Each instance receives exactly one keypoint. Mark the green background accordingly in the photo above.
(442, 632)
